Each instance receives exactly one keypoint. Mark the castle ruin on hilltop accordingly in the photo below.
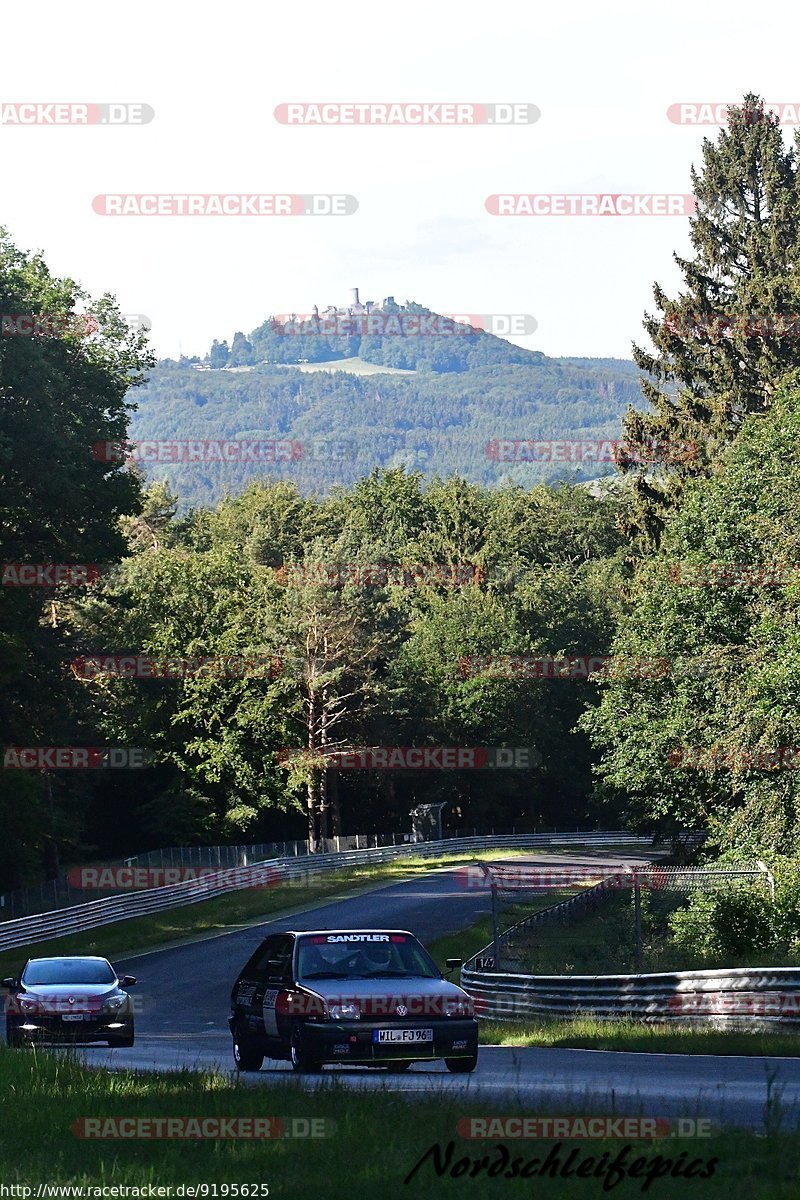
(356, 308)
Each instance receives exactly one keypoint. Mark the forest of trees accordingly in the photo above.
(689, 563)
(346, 425)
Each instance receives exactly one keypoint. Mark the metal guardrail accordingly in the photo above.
(80, 918)
(745, 996)
(69, 889)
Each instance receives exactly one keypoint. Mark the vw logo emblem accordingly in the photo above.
(401, 1010)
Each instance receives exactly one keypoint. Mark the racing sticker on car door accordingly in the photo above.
(270, 1015)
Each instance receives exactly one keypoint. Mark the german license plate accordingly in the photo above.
(402, 1035)
(75, 1017)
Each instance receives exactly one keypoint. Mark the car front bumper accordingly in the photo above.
(355, 1041)
(53, 1028)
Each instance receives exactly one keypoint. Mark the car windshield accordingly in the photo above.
(68, 970)
(363, 956)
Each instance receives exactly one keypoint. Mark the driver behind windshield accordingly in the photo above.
(362, 962)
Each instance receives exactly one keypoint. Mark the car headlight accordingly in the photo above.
(113, 1003)
(349, 1011)
(460, 1008)
(28, 1005)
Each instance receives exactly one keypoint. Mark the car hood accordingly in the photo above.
(383, 997)
(78, 990)
(64, 997)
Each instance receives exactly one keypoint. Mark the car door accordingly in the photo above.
(278, 977)
(251, 986)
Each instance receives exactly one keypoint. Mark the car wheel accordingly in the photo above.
(460, 1066)
(396, 1068)
(299, 1056)
(246, 1054)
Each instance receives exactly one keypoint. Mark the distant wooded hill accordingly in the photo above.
(468, 394)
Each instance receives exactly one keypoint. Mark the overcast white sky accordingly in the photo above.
(602, 75)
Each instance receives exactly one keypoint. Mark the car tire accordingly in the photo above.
(299, 1057)
(246, 1054)
(396, 1068)
(461, 1066)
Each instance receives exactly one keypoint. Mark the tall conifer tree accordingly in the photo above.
(723, 344)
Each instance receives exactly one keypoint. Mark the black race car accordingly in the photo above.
(369, 997)
(69, 999)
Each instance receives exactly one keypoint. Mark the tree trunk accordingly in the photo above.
(311, 793)
(311, 815)
(333, 794)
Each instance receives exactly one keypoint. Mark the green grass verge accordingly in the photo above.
(230, 912)
(378, 1140)
(589, 1033)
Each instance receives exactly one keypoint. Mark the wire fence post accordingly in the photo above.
(770, 879)
(637, 908)
(495, 930)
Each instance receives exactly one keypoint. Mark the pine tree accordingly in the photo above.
(722, 346)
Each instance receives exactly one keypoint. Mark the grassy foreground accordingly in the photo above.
(377, 1141)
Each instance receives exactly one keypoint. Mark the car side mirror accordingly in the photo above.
(10, 982)
(127, 981)
(453, 963)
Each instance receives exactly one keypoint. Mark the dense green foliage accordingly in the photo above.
(361, 664)
(58, 504)
(732, 646)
